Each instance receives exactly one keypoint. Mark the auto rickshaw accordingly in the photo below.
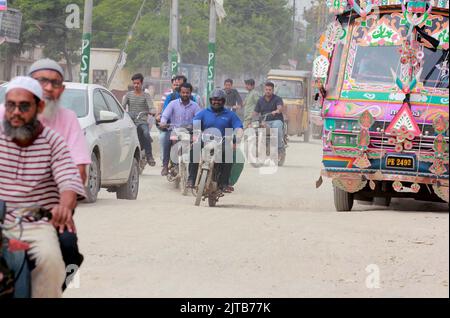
(294, 88)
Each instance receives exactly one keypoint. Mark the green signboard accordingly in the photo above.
(85, 58)
(211, 68)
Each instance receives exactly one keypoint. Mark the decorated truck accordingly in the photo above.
(383, 78)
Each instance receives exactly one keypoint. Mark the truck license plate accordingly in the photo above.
(400, 162)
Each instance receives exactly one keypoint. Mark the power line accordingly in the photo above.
(122, 52)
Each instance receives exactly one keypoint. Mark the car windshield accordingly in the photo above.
(288, 89)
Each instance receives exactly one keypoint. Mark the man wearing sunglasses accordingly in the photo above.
(36, 168)
(50, 76)
(62, 120)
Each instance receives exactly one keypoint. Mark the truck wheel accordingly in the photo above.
(129, 190)
(343, 201)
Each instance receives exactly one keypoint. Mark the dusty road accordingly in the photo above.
(277, 236)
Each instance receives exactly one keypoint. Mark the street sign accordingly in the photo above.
(174, 63)
(10, 24)
(85, 58)
(211, 68)
(3, 5)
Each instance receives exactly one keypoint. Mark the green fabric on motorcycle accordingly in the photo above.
(238, 166)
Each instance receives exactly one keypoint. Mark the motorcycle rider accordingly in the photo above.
(250, 101)
(179, 113)
(273, 105)
(233, 98)
(138, 101)
(54, 184)
(50, 76)
(219, 118)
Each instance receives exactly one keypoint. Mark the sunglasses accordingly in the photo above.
(23, 106)
(45, 81)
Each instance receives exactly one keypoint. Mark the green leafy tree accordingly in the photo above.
(44, 24)
(252, 38)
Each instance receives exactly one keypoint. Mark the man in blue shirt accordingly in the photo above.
(179, 113)
(179, 81)
(217, 118)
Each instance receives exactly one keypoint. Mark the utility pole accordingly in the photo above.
(212, 47)
(294, 44)
(122, 55)
(86, 42)
(174, 38)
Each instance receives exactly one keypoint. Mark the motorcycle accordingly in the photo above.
(178, 172)
(255, 144)
(9, 276)
(136, 118)
(206, 185)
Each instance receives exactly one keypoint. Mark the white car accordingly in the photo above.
(111, 137)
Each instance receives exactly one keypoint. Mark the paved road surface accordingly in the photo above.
(277, 236)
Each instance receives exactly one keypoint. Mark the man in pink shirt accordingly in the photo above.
(64, 121)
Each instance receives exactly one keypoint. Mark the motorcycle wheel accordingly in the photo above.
(212, 201)
(201, 187)
(253, 155)
(183, 179)
(282, 159)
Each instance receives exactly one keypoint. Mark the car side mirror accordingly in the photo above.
(107, 117)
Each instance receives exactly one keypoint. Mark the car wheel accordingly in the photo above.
(94, 181)
(129, 190)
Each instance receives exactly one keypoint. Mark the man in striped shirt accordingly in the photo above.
(136, 102)
(36, 168)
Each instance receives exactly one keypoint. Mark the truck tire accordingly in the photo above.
(343, 201)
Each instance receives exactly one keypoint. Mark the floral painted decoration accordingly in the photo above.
(440, 147)
(415, 12)
(366, 120)
(336, 6)
(402, 139)
(363, 11)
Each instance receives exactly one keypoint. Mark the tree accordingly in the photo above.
(252, 38)
(44, 24)
(255, 36)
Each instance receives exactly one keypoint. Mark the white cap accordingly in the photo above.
(26, 83)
